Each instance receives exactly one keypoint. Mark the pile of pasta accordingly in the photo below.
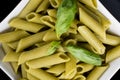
(34, 50)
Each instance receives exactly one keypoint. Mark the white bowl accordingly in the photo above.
(114, 28)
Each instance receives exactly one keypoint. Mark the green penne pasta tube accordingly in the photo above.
(50, 36)
(48, 21)
(79, 77)
(104, 20)
(83, 67)
(34, 17)
(43, 6)
(65, 16)
(113, 54)
(25, 25)
(41, 74)
(13, 45)
(6, 48)
(97, 72)
(69, 41)
(15, 66)
(96, 17)
(92, 39)
(31, 77)
(63, 77)
(50, 60)
(40, 44)
(42, 51)
(90, 3)
(52, 12)
(55, 3)
(70, 67)
(10, 56)
(90, 22)
(30, 40)
(57, 69)
(84, 55)
(30, 7)
(12, 36)
(111, 40)
(23, 70)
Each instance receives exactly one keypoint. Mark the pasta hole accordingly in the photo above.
(63, 56)
(30, 16)
(79, 69)
(54, 3)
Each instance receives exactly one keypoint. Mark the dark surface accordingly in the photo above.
(6, 6)
(112, 5)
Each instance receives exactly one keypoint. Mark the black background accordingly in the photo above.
(7, 5)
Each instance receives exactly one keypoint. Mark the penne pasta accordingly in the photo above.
(97, 72)
(52, 12)
(10, 56)
(83, 67)
(30, 40)
(13, 45)
(23, 70)
(43, 6)
(104, 20)
(31, 6)
(91, 23)
(92, 39)
(70, 67)
(96, 17)
(48, 21)
(63, 77)
(50, 36)
(57, 69)
(113, 54)
(90, 3)
(49, 60)
(25, 25)
(15, 66)
(40, 44)
(111, 40)
(41, 74)
(79, 77)
(34, 53)
(31, 77)
(70, 41)
(13, 36)
(55, 3)
(34, 17)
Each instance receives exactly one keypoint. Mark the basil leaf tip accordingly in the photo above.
(84, 55)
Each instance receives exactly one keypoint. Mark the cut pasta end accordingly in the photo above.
(64, 57)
